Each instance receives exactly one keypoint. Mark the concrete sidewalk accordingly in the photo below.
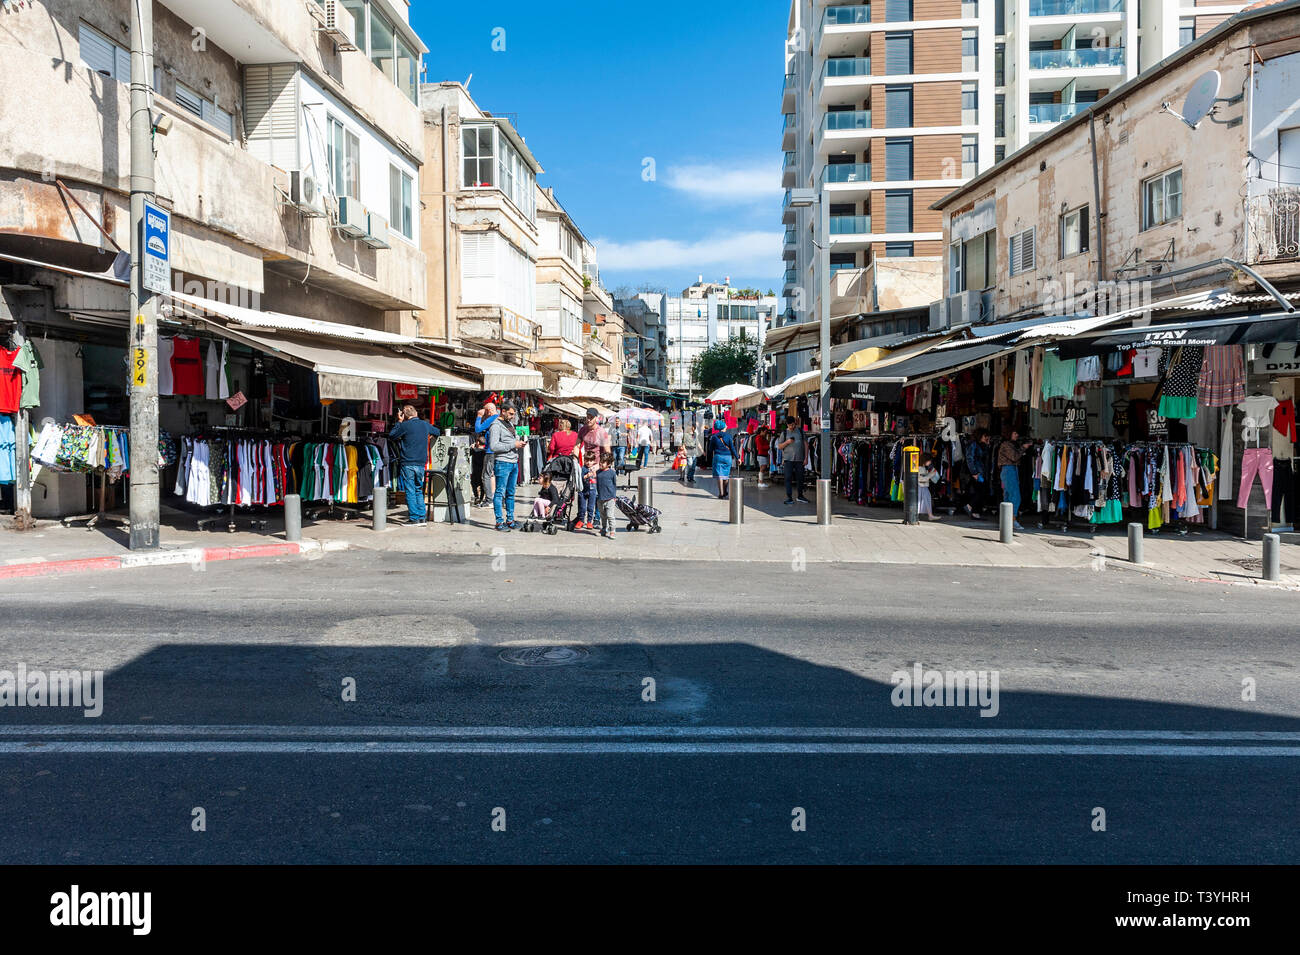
(695, 527)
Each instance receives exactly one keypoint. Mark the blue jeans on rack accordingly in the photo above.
(413, 486)
(1011, 487)
(507, 474)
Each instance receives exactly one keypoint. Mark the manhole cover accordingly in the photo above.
(1078, 545)
(1254, 564)
(543, 656)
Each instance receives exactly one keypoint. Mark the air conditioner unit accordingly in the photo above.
(307, 194)
(353, 219)
(340, 26)
(376, 232)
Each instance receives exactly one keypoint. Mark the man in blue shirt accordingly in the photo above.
(412, 438)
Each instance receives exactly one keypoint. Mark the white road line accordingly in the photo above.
(265, 731)
(413, 747)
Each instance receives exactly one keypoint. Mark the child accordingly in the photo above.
(606, 492)
(762, 449)
(926, 475)
(547, 497)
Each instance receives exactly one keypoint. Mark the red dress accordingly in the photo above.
(11, 382)
(187, 367)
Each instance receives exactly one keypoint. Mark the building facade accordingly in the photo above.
(704, 315)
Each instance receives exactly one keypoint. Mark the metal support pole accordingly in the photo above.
(145, 513)
(645, 492)
(824, 283)
(1272, 557)
(1135, 555)
(293, 517)
(824, 503)
(1006, 522)
(379, 509)
(736, 496)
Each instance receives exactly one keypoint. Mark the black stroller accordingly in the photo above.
(639, 515)
(564, 478)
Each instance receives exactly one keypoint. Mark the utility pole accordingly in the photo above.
(143, 347)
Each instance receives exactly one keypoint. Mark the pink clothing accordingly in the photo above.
(1256, 461)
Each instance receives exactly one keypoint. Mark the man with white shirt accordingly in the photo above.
(644, 440)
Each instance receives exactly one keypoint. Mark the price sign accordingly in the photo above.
(1157, 424)
(236, 401)
(1076, 420)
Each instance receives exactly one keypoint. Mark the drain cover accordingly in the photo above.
(1080, 545)
(543, 656)
(1254, 564)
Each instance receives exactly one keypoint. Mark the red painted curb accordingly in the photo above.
(49, 567)
(252, 550)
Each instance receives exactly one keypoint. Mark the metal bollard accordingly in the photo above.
(293, 517)
(1272, 557)
(1006, 521)
(1135, 544)
(645, 492)
(824, 503)
(736, 496)
(380, 510)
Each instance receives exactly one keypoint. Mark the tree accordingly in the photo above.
(725, 363)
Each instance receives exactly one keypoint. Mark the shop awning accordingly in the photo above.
(858, 351)
(886, 382)
(1245, 330)
(352, 361)
(607, 392)
(255, 318)
(804, 334)
(495, 375)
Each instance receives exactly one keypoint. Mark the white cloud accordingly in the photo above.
(744, 253)
(733, 183)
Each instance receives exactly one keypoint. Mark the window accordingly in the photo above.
(476, 149)
(898, 159)
(205, 109)
(843, 260)
(970, 111)
(358, 10)
(490, 160)
(408, 71)
(1074, 232)
(898, 11)
(188, 99)
(1022, 252)
(999, 64)
(999, 114)
(969, 267)
(898, 250)
(970, 53)
(898, 107)
(344, 156)
(1162, 198)
(1000, 17)
(970, 155)
(999, 152)
(898, 210)
(1186, 31)
(382, 43)
(898, 53)
(103, 55)
(400, 210)
(956, 268)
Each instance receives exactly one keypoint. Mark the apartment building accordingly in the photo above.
(705, 314)
(288, 147)
(887, 106)
(645, 339)
(602, 326)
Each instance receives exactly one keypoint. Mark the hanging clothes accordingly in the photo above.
(1182, 377)
(187, 367)
(1223, 376)
(165, 386)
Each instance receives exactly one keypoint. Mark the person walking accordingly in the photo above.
(793, 445)
(478, 461)
(762, 447)
(926, 475)
(606, 494)
(412, 436)
(594, 439)
(487, 415)
(504, 445)
(691, 445)
(724, 455)
(587, 500)
(1009, 454)
(644, 443)
(977, 474)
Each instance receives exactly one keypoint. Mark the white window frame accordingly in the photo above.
(1081, 215)
(345, 182)
(1153, 217)
(401, 202)
(956, 268)
(1016, 249)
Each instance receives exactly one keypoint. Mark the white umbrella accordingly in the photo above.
(729, 393)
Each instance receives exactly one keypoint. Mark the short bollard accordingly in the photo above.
(293, 517)
(736, 496)
(824, 502)
(1135, 544)
(1272, 557)
(380, 512)
(1006, 521)
(644, 492)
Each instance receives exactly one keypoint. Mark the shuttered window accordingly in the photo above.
(271, 114)
(898, 210)
(898, 159)
(218, 117)
(898, 53)
(1022, 252)
(188, 99)
(898, 107)
(103, 55)
(897, 11)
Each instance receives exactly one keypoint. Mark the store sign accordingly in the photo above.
(1075, 422)
(849, 390)
(406, 392)
(236, 401)
(1282, 361)
(516, 329)
(156, 246)
(1157, 424)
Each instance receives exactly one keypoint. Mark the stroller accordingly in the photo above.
(639, 515)
(564, 478)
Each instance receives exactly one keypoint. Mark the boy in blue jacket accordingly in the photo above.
(606, 493)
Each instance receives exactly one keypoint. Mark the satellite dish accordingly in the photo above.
(1200, 99)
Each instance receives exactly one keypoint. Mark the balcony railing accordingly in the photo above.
(789, 160)
(1053, 112)
(791, 277)
(848, 119)
(847, 66)
(791, 237)
(850, 225)
(1074, 59)
(1070, 8)
(842, 16)
(1274, 223)
(789, 82)
(847, 172)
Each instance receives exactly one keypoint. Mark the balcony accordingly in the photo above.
(790, 171)
(844, 131)
(790, 282)
(839, 30)
(1273, 224)
(844, 78)
(846, 172)
(790, 247)
(847, 119)
(789, 131)
(787, 211)
(789, 93)
(1074, 8)
(1053, 112)
(850, 225)
(1089, 58)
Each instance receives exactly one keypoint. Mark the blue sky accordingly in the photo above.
(600, 86)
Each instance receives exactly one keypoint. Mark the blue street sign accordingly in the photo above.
(157, 249)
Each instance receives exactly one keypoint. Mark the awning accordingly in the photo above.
(887, 343)
(885, 383)
(496, 375)
(786, 337)
(352, 361)
(1245, 330)
(608, 392)
(255, 318)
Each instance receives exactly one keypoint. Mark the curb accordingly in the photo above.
(194, 556)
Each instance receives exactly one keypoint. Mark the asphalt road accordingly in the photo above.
(771, 689)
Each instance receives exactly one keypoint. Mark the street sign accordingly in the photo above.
(156, 260)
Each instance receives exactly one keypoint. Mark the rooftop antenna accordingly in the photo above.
(467, 80)
(1200, 101)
